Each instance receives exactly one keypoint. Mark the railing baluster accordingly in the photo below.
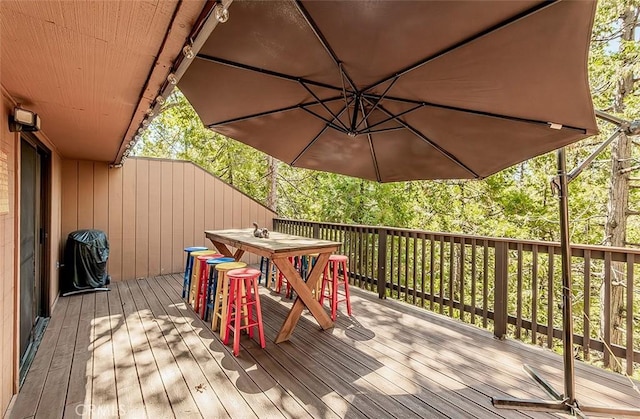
(399, 273)
(414, 283)
(550, 298)
(382, 263)
(473, 280)
(607, 307)
(587, 306)
(534, 296)
(452, 273)
(432, 259)
(629, 313)
(406, 268)
(392, 247)
(500, 293)
(485, 285)
(441, 290)
(461, 270)
(519, 293)
(422, 266)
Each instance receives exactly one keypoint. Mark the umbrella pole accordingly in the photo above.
(562, 402)
(567, 295)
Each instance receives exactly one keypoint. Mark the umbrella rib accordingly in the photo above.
(293, 163)
(271, 73)
(466, 41)
(323, 42)
(479, 113)
(328, 122)
(344, 91)
(428, 141)
(321, 102)
(304, 150)
(380, 99)
(377, 131)
(373, 152)
(392, 118)
(267, 113)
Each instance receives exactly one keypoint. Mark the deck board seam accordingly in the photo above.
(184, 337)
(175, 286)
(195, 318)
(168, 345)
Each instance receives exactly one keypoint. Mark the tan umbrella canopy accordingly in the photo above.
(398, 90)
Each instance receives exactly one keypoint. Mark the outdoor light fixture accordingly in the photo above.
(221, 14)
(171, 78)
(188, 52)
(160, 100)
(23, 120)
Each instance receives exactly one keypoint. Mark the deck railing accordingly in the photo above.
(510, 286)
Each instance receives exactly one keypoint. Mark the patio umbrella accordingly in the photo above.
(398, 90)
(405, 90)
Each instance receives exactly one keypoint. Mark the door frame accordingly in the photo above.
(43, 249)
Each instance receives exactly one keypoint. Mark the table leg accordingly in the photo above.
(305, 298)
(222, 248)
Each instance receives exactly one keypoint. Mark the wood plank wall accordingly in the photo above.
(9, 247)
(7, 267)
(151, 209)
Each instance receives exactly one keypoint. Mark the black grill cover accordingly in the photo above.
(85, 261)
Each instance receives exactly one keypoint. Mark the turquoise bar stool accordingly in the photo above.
(187, 268)
(212, 284)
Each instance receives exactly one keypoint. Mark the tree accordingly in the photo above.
(619, 22)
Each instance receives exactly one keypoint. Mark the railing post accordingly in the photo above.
(382, 263)
(316, 230)
(500, 293)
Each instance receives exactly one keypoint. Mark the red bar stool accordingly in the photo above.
(245, 300)
(195, 274)
(203, 280)
(331, 283)
(221, 298)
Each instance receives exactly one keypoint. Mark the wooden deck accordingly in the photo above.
(138, 351)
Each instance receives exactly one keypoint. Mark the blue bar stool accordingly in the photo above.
(268, 269)
(187, 268)
(213, 283)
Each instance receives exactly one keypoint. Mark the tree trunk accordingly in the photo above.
(615, 235)
(272, 194)
(616, 223)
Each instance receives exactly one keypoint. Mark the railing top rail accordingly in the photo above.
(594, 248)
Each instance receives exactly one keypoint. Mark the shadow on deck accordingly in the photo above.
(138, 351)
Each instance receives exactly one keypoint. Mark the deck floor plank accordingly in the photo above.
(236, 405)
(259, 387)
(78, 400)
(130, 402)
(182, 403)
(326, 364)
(418, 386)
(139, 351)
(154, 395)
(31, 392)
(506, 358)
(55, 388)
(199, 387)
(104, 394)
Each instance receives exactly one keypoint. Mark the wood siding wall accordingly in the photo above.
(151, 209)
(9, 248)
(7, 268)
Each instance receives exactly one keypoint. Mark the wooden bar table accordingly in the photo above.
(279, 247)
